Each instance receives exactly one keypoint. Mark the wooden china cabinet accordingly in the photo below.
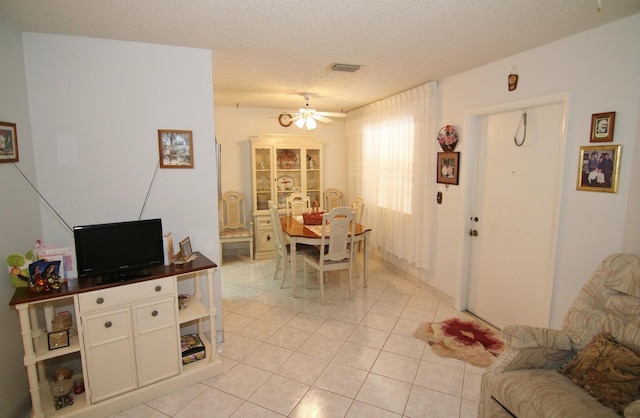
(281, 165)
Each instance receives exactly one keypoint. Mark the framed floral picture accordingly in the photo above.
(602, 125)
(8, 143)
(448, 167)
(599, 168)
(176, 148)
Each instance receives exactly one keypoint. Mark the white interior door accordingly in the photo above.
(515, 213)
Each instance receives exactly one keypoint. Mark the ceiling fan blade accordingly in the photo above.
(321, 118)
(296, 117)
(332, 114)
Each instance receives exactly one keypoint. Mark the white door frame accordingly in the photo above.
(472, 130)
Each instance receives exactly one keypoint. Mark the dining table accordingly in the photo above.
(298, 233)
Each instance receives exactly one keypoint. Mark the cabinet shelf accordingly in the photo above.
(48, 405)
(194, 310)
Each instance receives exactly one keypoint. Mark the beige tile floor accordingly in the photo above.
(293, 357)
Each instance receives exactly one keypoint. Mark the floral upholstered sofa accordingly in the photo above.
(554, 373)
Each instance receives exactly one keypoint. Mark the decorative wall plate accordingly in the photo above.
(285, 183)
(448, 138)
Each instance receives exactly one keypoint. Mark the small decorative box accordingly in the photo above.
(192, 348)
(312, 218)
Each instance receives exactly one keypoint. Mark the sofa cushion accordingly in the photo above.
(607, 370)
(529, 393)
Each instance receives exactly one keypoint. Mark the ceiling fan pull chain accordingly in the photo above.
(524, 135)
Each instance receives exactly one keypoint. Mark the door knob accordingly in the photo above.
(473, 232)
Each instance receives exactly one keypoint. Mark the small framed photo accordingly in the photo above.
(8, 143)
(602, 125)
(58, 339)
(599, 168)
(448, 167)
(176, 148)
(185, 248)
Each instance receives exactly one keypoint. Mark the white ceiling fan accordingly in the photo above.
(306, 117)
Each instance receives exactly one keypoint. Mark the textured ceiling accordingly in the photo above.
(266, 53)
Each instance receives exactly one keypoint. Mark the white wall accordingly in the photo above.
(593, 225)
(20, 225)
(234, 127)
(96, 106)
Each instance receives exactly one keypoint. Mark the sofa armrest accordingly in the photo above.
(526, 348)
(533, 348)
(522, 336)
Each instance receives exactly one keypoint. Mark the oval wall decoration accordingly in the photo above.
(448, 138)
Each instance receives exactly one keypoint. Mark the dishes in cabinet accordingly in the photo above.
(287, 159)
(285, 183)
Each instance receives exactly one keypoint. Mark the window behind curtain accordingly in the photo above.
(387, 162)
(391, 153)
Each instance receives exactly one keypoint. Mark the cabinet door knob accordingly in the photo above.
(154, 313)
(158, 288)
(100, 301)
(108, 324)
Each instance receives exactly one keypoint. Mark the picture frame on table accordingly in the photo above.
(602, 125)
(448, 167)
(185, 248)
(8, 143)
(176, 148)
(58, 339)
(599, 168)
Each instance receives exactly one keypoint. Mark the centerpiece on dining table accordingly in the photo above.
(315, 216)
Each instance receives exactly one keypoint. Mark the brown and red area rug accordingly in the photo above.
(464, 340)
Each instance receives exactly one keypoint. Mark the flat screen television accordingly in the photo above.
(118, 251)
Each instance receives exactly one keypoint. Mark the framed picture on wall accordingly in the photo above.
(599, 168)
(602, 125)
(8, 143)
(448, 167)
(176, 148)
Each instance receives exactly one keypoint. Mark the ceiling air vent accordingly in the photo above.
(349, 68)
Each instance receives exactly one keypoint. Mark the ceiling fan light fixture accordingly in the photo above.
(311, 123)
(300, 123)
(348, 68)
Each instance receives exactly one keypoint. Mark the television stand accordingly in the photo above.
(127, 341)
(123, 276)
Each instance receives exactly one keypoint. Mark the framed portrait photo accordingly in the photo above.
(448, 167)
(8, 143)
(176, 148)
(599, 168)
(602, 125)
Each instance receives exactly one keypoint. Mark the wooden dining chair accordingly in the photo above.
(357, 206)
(297, 204)
(282, 249)
(233, 225)
(336, 247)
(333, 198)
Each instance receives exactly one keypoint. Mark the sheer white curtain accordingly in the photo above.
(391, 153)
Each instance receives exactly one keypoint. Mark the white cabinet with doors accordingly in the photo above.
(128, 338)
(135, 324)
(281, 165)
